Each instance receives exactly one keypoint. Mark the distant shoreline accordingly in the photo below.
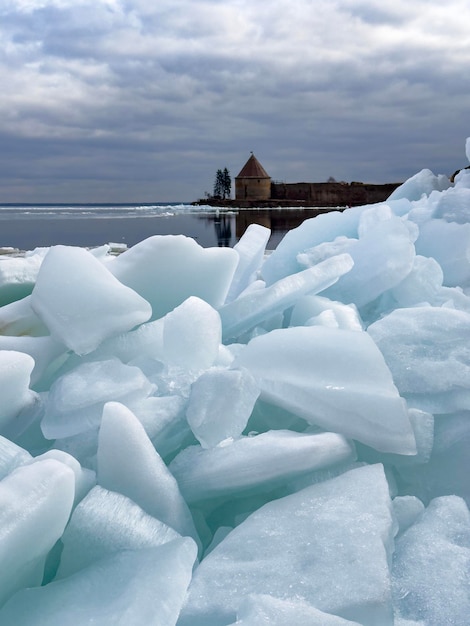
(264, 204)
(310, 195)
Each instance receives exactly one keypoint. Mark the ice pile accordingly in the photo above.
(226, 437)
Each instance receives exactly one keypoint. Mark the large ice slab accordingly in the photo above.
(263, 609)
(251, 309)
(334, 378)
(423, 284)
(423, 183)
(11, 456)
(314, 231)
(129, 464)
(454, 204)
(383, 256)
(104, 523)
(192, 333)
(35, 504)
(448, 467)
(260, 462)
(251, 248)
(85, 479)
(81, 302)
(427, 351)
(449, 244)
(166, 270)
(295, 548)
(220, 404)
(15, 376)
(77, 398)
(133, 587)
(431, 565)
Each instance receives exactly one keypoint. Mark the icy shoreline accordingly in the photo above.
(224, 436)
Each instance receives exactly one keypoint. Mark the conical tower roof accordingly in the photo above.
(253, 169)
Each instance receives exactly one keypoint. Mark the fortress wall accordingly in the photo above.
(332, 194)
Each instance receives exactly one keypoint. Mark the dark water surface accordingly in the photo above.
(27, 227)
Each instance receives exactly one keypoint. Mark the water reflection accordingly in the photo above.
(223, 229)
(229, 226)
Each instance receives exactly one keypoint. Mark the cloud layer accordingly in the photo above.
(127, 100)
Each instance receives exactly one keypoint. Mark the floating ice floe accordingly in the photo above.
(225, 437)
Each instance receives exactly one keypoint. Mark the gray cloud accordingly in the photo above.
(131, 101)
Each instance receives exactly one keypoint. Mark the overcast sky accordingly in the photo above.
(143, 100)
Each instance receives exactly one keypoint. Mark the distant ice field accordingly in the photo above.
(26, 226)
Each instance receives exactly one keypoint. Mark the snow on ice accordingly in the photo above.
(231, 437)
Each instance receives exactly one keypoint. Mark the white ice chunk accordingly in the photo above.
(314, 231)
(462, 179)
(325, 318)
(422, 284)
(333, 378)
(146, 341)
(35, 504)
(166, 270)
(129, 464)
(18, 274)
(249, 310)
(76, 399)
(251, 248)
(329, 544)
(157, 413)
(11, 456)
(129, 588)
(256, 285)
(44, 351)
(453, 205)
(423, 429)
(164, 420)
(18, 318)
(263, 609)
(407, 510)
(84, 479)
(256, 463)
(192, 334)
(15, 375)
(220, 404)
(449, 244)
(424, 182)
(345, 315)
(371, 215)
(81, 302)
(106, 522)
(448, 469)
(431, 570)
(427, 351)
(382, 256)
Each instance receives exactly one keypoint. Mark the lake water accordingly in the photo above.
(29, 226)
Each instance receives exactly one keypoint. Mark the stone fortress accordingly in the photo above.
(255, 188)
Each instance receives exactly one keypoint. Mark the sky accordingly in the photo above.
(143, 100)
